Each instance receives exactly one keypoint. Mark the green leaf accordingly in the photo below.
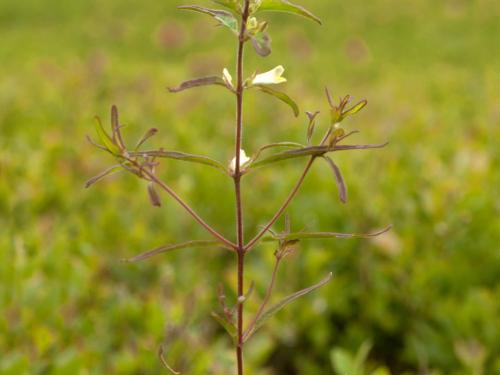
(106, 140)
(168, 248)
(317, 235)
(261, 43)
(288, 7)
(276, 145)
(226, 324)
(342, 362)
(339, 179)
(183, 157)
(225, 18)
(230, 4)
(281, 96)
(283, 303)
(362, 355)
(310, 151)
(355, 109)
(100, 176)
(197, 82)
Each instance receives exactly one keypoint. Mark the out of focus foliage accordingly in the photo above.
(424, 298)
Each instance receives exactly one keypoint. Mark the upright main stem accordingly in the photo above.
(237, 184)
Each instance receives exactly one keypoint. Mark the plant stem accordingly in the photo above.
(237, 184)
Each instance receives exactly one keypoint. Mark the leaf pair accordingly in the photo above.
(261, 82)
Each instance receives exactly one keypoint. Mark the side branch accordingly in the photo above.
(283, 207)
(265, 301)
(190, 211)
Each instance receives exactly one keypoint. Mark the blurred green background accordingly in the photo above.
(423, 299)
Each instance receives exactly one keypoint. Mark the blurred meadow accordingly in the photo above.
(422, 299)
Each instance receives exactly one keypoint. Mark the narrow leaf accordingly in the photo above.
(115, 125)
(182, 156)
(164, 362)
(231, 4)
(225, 18)
(197, 82)
(150, 133)
(95, 144)
(281, 96)
(261, 43)
(276, 145)
(100, 176)
(338, 178)
(167, 248)
(312, 124)
(352, 111)
(154, 198)
(288, 7)
(280, 305)
(311, 151)
(105, 139)
(226, 324)
(319, 235)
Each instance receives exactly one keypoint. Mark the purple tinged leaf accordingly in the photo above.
(150, 133)
(329, 97)
(198, 82)
(115, 125)
(283, 303)
(168, 248)
(318, 235)
(181, 156)
(100, 176)
(261, 43)
(338, 178)
(93, 143)
(316, 151)
(154, 198)
(312, 124)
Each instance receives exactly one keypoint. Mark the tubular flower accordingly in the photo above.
(272, 77)
(243, 160)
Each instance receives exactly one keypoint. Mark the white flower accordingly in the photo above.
(243, 160)
(272, 77)
(226, 76)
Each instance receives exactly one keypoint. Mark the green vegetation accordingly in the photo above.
(423, 298)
